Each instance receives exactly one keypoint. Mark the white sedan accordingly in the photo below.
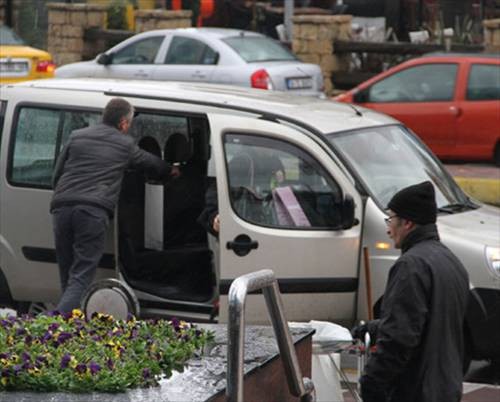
(223, 56)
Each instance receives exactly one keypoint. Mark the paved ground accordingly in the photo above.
(480, 181)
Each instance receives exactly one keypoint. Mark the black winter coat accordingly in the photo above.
(420, 341)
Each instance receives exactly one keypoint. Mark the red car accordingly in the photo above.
(451, 101)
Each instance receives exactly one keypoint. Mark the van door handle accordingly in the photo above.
(242, 245)
(199, 74)
(141, 74)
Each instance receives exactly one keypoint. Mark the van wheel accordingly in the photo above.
(35, 308)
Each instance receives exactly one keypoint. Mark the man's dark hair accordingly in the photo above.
(115, 111)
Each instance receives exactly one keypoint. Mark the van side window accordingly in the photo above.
(75, 120)
(274, 183)
(35, 146)
(39, 135)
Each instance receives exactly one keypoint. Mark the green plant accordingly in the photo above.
(67, 352)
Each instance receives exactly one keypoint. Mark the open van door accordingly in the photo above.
(285, 205)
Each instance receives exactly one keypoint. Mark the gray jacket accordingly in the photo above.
(91, 166)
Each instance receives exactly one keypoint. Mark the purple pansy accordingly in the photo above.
(46, 337)
(28, 339)
(63, 337)
(110, 364)
(81, 368)
(94, 368)
(20, 331)
(65, 360)
(52, 327)
(146, 373)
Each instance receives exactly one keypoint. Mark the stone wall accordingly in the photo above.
(492, 35)
(313, 37)
(67, 24)
(146, 20)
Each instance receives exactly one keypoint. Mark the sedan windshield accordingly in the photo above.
(9, 38)
(256, 48)
(390, 158)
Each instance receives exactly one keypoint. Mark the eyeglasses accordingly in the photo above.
(389, 219)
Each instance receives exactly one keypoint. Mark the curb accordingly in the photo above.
(485, 190)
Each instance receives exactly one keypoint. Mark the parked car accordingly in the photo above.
(451, 101)
(224, 56)
(19, 62)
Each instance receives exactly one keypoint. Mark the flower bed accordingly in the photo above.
(67, 352)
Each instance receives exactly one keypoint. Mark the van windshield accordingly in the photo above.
(390, 158)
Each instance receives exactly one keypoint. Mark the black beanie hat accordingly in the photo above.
(416, 203)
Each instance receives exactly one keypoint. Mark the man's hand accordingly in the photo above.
(216, 224)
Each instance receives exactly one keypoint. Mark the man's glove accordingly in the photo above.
(359, 331)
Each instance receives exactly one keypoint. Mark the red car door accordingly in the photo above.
(422, 96)
(479, 107)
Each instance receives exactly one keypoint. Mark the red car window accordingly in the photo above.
(484, 82)
(424, 83)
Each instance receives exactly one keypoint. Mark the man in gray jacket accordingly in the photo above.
(87, 181)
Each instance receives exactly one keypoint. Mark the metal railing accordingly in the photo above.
(261, 280)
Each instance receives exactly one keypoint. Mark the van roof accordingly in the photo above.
(323, 115)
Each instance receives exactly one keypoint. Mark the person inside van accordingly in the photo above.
(419, 337)
(87, 180)
(244, 172)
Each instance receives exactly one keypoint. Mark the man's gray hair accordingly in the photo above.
(116, 110)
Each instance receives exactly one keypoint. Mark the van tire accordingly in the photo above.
(5, 296)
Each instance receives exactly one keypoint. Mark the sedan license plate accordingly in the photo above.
(13, 67)
(299, 83)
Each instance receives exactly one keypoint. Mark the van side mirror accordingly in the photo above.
(105, 58)
(348, 219)
(362, 96)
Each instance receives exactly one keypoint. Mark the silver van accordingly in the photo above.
(339, 166)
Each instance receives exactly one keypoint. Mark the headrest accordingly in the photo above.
(177, 148)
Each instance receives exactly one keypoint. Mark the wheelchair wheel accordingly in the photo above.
(110, 296)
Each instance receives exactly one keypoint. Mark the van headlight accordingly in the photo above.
(493, 259)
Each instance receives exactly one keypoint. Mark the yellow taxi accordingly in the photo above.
(19, 62)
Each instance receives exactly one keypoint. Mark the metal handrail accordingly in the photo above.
(261, 280)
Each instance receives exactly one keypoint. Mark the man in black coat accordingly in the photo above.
(87, 181)
(419, 337)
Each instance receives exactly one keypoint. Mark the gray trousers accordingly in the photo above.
(79, 232)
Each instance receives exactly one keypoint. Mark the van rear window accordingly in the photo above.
(39, 135)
